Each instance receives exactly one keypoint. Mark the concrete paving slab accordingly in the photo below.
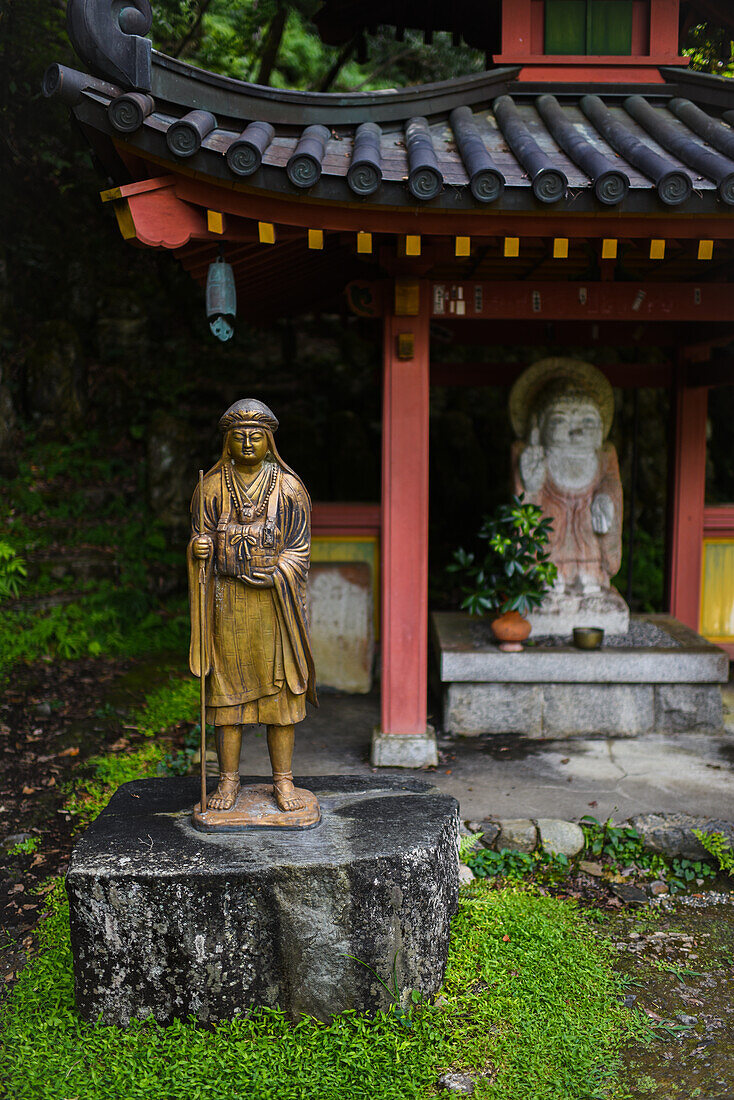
(508, 776)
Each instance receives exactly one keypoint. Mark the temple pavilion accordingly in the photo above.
(476, 203)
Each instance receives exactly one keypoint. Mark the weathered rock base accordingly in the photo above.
(170, 922)
(561, 691)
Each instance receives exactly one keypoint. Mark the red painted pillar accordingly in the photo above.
(403, 739)
(687, 503)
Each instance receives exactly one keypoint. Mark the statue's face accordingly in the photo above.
(248, 446)
(570, 424)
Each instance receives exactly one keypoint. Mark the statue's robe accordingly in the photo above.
(578, 552)
(257, 648)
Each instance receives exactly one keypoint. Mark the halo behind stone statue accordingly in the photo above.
(579, 375)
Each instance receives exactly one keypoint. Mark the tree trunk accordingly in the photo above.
(272, 45)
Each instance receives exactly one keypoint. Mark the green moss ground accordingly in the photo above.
(530, 1001)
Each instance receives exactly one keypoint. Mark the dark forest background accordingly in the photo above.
(111, 383)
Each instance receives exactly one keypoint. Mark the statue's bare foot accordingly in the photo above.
(285, 792)
(226, 793)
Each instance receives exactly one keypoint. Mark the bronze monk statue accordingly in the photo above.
(255, 545)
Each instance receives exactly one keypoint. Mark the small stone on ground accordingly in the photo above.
(517, 834)
(561, 837)
(630, 894)
(460, 1083)
(490, 830)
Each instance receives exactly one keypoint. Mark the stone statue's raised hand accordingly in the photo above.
(532, 462)
(602, 514)
(201, 547)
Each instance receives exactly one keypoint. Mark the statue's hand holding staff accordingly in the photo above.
(202, 547)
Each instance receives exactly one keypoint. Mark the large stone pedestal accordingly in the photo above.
(661, 678)
(167, 921)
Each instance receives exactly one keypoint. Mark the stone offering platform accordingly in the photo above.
(662, 677)
(167, 921)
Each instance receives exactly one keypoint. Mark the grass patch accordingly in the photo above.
(166, 706)
(531, 1002)
(98, 623)
(90, 796)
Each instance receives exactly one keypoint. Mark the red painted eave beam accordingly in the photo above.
(310, 214)
(170, 211)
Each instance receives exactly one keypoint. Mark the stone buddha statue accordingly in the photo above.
(562, 411)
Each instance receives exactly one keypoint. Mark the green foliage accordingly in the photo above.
(95, 624)
(507, 864)
(25, 847)
(720, 849)
(531, 1006)
(397, 1009)
(710, 49)
(13, 571)
(90, 796)
(621, 843)
(683, 873)
(252, 41)
(514, 1005)
(623, 847)
(182, 761)
(619, 846)
(174, 702)
(515, 571)
(467, 846)
(46, 514)
(720, 452)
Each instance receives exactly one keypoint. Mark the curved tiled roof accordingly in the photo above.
(480, 141)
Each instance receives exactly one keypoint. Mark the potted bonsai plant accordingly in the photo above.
(513, 575)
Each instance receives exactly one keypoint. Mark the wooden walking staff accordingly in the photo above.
(202, 647)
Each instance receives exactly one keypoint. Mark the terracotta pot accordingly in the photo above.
(510, 630)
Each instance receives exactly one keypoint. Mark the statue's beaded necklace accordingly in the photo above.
(249, 511)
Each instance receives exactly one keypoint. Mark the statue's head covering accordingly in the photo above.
(248, 412)
(553, 378)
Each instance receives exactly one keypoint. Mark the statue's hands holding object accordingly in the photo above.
(532, 461)
(260, 578)
(602, 514)
(202, 547)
